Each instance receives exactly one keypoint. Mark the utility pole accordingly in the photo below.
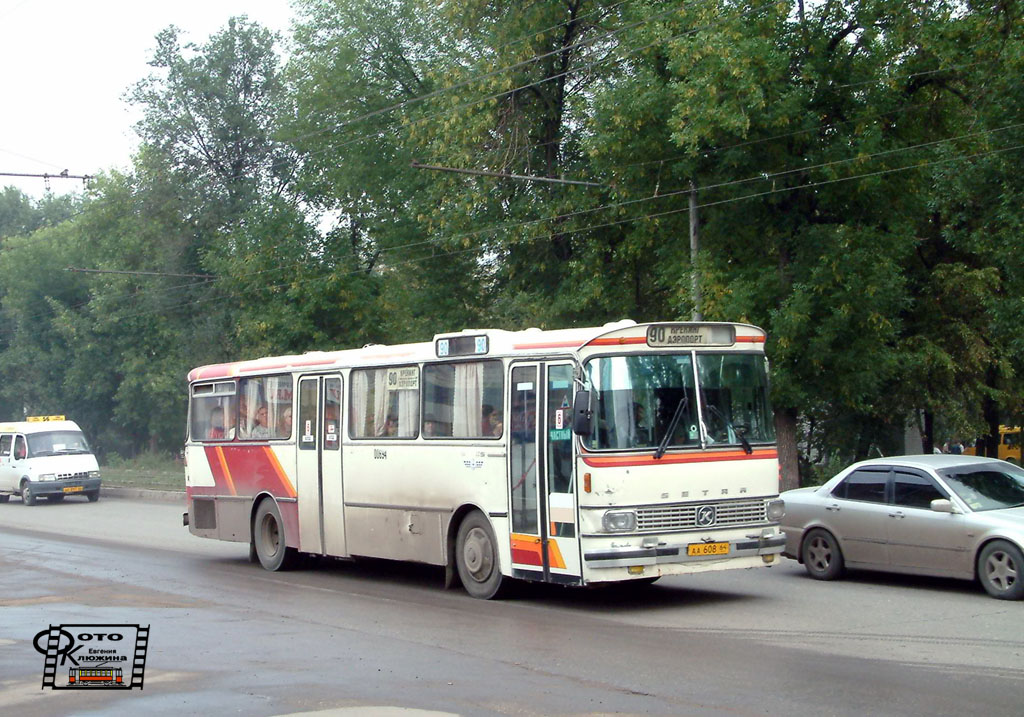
(698, 314)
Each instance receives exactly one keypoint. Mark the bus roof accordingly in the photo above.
(498, 342)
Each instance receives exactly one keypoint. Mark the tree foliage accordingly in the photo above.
(853, 165)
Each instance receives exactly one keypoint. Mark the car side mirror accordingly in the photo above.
(581, 413)
(943, 505)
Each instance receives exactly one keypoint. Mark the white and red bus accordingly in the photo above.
(576, 456)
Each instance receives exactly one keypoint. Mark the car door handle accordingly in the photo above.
(833, 507)
(898, 514)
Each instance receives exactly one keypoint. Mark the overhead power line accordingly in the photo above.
(139, 273)
(503, 175)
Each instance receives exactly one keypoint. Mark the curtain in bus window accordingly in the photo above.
(616, 419)
(360, 402)
(248, 404)
(408, 412)
(469, 391)
(380, 402)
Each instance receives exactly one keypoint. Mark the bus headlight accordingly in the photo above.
(47, 476)
(618, 521)
(776, 509)
(94, 474)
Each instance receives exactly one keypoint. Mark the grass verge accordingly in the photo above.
(152, 472)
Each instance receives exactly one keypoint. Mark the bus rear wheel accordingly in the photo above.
(476, 557)
(269, 538)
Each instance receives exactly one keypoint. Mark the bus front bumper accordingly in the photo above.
(647, 552)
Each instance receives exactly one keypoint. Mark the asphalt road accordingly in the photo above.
(374, 637)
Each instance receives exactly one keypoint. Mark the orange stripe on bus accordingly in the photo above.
(226, 471)
(650, 460)
(285, 483)
(526, 550)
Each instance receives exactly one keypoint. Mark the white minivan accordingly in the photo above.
(46, 457)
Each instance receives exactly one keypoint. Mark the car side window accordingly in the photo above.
(863, 485)
(914, 490)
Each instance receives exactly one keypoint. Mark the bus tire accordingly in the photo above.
(27, 496)
(476, 557)
(269, 538)
(821, 554)
(55, 498)
(93, 495)
(4, 498)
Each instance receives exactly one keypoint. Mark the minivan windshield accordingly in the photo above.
(56, 443)
(635, 399)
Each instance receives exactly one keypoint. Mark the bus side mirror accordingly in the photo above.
(581, 413)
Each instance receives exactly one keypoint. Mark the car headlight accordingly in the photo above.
(618, 521)
(94, 474)
(47, 476)
(776, 509)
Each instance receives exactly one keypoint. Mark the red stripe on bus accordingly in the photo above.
(649, 460)
(623, 341)
(750, 339)
(248, 470)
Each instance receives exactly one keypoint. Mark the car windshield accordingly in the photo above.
(987, 486)
(641, 400)
(55, 443)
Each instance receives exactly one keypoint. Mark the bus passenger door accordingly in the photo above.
(320, 490)
(542, 500)
(562, 526)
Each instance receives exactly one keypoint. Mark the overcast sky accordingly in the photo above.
(66, 65)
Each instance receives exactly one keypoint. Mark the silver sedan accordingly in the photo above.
(948, 515)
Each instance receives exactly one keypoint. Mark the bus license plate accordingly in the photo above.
(73, 489)
(707, 549)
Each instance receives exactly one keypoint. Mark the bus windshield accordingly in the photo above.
(643, 400)
(54, 443)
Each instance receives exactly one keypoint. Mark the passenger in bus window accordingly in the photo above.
(391, 426)
(216, 431)
(284, 422)
(20, 450)
(243, 416)
(429, 427)
(260, 426)
(641, 430)
(491, 423)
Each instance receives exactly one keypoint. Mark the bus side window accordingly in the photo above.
(20, 449)
(6, 441)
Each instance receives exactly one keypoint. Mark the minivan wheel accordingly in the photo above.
(27, 496)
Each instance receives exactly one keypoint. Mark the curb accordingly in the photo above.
(165, 496)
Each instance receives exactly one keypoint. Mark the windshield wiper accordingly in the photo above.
(663, 446)
(743, 439)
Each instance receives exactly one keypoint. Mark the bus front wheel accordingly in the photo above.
(476, 557)
(27, 496)
(268, 538)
